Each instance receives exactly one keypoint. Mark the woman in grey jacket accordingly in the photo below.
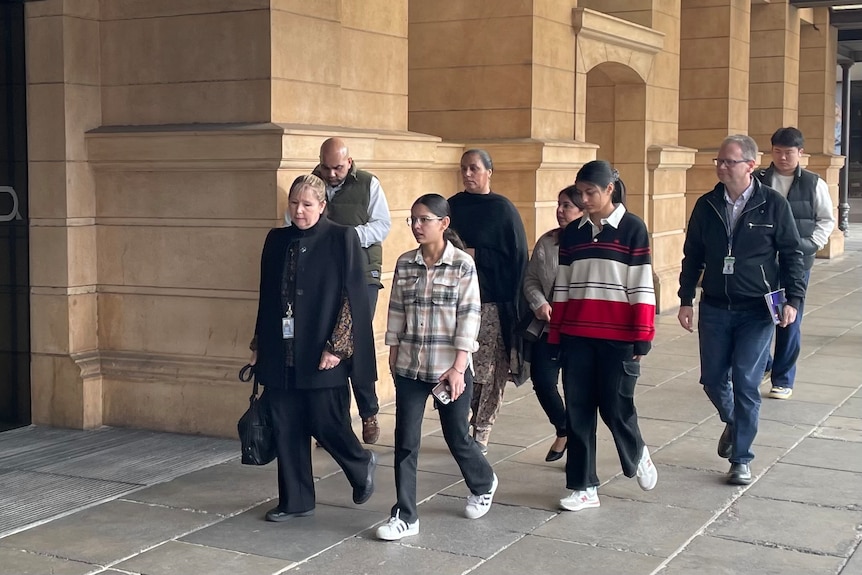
(538, 283)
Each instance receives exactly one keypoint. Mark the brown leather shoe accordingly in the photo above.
(370, 430)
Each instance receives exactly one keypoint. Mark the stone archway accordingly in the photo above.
(616, 120)
(613, 61)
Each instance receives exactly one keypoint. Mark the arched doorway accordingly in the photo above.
(616, 121)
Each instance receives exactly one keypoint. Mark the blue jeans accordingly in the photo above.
(788, 344)
(735, 342)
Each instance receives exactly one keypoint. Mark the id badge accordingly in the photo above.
(728, 265)
(287, 327)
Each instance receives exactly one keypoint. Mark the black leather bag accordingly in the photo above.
(254, 427)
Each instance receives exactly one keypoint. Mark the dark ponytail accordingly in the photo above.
(452, 236)
(601, 174)
(438, 206)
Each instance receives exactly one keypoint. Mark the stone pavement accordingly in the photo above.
(802, 514)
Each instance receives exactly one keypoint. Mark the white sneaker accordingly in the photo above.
(647, 473)
(478, 505)
(581, 500)
(397, 528)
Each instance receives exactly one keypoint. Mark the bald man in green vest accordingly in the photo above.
(355, 198)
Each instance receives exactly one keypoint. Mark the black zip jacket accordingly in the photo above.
(765, 244)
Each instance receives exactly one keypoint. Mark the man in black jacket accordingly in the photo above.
(741, 236)
(811, 205)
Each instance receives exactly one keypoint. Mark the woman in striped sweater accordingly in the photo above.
(603, 320)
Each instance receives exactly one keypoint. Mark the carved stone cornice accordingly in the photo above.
(151, 367)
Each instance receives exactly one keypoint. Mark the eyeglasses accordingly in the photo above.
(726, 162)
(421, 220)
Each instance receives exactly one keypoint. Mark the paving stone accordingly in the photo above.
(434, 456)
(793, 411)
(845, 308)
(717, 556)
(699, 453)
(769, 433)
(527, 485)
(526, 406)
(814, 342)
(825, 328)
(851, 408)
(820, 368)
(443, 527)
(225, 489)
(628, 525)
(788, 524)
(813, 485)
(20, 562)
(816, 393)
(663, 357)
(337, 492)
(854, 564)
(676, 487)
(684, 402)
(518, 431)
(294, 540)
(357, 556)
(607, 459)
(847, 345)
(176, 557)
(652, 375)
(838, 433)
(827, 453)
(515, 392)
(658, 432)
(534, 554)
(108, 532)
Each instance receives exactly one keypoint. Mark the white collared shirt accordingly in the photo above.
(612, 220)
(734, 208)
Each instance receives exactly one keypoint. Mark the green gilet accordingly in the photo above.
(349, 207)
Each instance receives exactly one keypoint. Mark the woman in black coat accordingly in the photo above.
(313, 332)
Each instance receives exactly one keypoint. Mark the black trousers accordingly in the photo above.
(366, 397)
(411, 395)
(545, 375)
(599, 375)
(297, 416)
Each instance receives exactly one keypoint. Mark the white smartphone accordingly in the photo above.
(441, 392)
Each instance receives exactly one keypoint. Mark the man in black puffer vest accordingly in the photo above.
(811, 205)
(355, 198)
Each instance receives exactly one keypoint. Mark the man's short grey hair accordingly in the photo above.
(746, 144)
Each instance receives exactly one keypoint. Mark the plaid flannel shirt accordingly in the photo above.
(433, 313)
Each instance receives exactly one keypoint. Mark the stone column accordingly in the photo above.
(714, 75)
(64, 101)
(502, 76)
(817, 63)
(667, 218)
(657, 193)
(774, 79)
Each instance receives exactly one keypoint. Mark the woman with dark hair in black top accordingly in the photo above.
(494, 235)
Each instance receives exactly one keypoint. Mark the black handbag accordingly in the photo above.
(254, 427)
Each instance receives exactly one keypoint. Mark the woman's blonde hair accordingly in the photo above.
(309, 181)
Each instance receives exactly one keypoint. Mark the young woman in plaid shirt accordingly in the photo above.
(433, 322)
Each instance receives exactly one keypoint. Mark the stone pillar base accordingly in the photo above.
(829, 167)
(666, 218)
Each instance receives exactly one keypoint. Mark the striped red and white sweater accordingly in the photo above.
(604, 286)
